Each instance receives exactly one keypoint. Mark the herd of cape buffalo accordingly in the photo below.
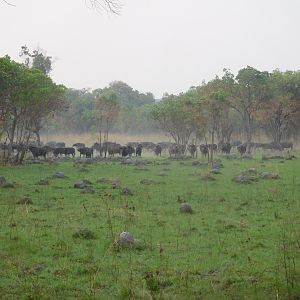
(136, 148)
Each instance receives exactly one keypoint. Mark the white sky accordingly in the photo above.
(154, 45)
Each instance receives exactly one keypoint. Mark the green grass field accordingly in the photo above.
(241, 242)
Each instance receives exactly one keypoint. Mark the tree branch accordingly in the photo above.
(8, 3)
(110, 6)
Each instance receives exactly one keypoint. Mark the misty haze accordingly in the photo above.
(149, 149)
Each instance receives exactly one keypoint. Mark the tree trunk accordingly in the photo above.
(248, 132)
(38, 137)
(212, 146)
(106, 137)
(100, 136)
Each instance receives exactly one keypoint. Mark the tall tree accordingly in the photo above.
(247, 90)
(27, 95)
(174, 117)
(213, 106)
(281, 113)
(106, 112)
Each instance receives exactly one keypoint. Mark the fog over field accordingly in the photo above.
(151, 152)
(157, 46)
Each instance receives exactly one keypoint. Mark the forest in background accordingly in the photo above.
(232, 106)
(80, 115)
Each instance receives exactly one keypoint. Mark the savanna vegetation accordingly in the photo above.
(226, 108)
(149, 227)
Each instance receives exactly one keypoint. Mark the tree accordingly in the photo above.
(174, 117)
(106, 112)
(213, 106)
(27, 96)
(37, 59)
(281, 113)
(111, 6)
(246, 92)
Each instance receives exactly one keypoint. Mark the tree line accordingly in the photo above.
(241, 104)
(230, 105)
(31, 103)
(85, 105)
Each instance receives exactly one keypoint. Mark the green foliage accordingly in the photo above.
(37, 60)
(174, 115)
(133, 114)
(27, 97)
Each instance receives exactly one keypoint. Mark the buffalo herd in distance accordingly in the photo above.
(110, 149)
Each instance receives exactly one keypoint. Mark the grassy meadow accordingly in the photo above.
(242, 241)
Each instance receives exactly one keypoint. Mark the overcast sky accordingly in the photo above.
(154, 45)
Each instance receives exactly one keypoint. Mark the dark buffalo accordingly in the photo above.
(113, 149)
(107, 147)
(213, 147)
(176, 150)
(124, 151)
(37, 151)
(158, 150)
(86, 151)
(138, 150)
(225, 148)
(193, 150)
(127, 150)
(48, 149)
(242, 149)
(58, 151)
(69, 151)
(204, 149)
(97, 147)
(131, 150)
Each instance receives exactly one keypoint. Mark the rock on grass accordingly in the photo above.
(86, 234)
(59, 175)
(2, 180)
(81, 184)
(186, 208)
(269, 175)
(4, 183)
(126, 240)
(245, 179)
